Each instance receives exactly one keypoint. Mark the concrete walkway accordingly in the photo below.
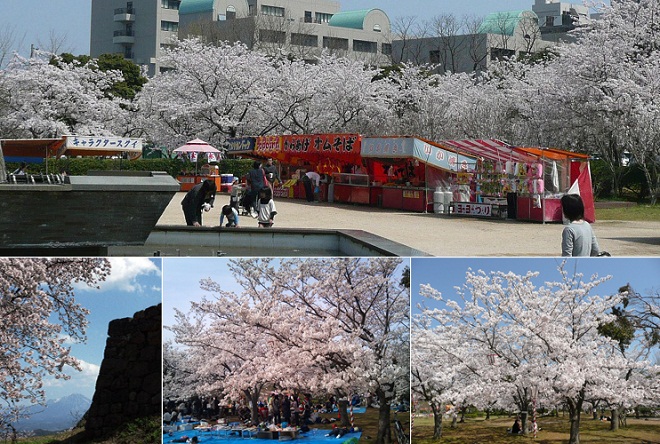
(441, 235)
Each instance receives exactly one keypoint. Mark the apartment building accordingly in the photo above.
(136, 29)
(501, 34)
(299, 28)
(557, 18)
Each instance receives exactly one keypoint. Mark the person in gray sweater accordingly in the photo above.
(578, 238)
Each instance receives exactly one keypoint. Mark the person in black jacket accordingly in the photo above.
(199, 198)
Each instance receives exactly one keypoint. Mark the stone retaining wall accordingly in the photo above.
(129, 384)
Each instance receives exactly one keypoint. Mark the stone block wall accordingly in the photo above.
(129, 384)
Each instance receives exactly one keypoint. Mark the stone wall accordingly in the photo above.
(129, 384)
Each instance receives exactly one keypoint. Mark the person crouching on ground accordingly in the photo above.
(266, 207)
(199, 198)
(578, 238)
(231, 213)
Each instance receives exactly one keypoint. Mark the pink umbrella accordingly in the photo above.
(196, 146)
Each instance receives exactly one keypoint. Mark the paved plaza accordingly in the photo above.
(441, 235)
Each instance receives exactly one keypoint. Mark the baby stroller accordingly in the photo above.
(239, 199)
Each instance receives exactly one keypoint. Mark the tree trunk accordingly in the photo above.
(437, 420)
(523, 422)
(487, 414)
(342, 406)
(384, 429)
(3, 167)
(614, 424)
(253, 396)
(574, 410)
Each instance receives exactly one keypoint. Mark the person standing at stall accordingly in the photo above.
(256, 179)
(200, 197)
(272, 175)
(311, 178)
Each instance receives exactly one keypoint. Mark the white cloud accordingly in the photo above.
(82, 381)
(125, 274)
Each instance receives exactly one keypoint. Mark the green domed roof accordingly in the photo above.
(195, 6)
(349, 19)
(504, 23)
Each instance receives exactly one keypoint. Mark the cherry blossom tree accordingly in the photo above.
(524, 342)
(39, 313)
(45, 99)
(210, 92)
(318, 325)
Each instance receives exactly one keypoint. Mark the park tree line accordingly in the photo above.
(597, 95)
(503, 342)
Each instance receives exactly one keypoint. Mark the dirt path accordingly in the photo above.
(443, 235)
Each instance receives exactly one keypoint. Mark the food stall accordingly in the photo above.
(193, 150)
(562, 172)
(409, 171)
(327, 154)
(522, 183)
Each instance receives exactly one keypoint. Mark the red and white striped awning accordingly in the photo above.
(491, 149)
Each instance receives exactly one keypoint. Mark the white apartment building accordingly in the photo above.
(299, 28)
(501, 34)
(556, 18)
(136, 29)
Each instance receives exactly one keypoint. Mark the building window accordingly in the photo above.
(170, 4)
(269, 36)
(308, 16)
(322, 17)
(335, 43)
(387, 49)
(304, 40)
(231, 12)
(377, 28)
(501, 54)
(275, 11)
(549, 20)
(364, 46)
(169, 26)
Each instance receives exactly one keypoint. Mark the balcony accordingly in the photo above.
(124, 37)
(124, 15)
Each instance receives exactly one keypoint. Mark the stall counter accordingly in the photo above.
(189, 181)
(550, 210)
(407, 198)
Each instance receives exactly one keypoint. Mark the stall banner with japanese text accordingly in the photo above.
(268, 145)
(322, 143)
(103, 143)
(311, 147)
(388, 147)
(409, 147)
(472, 209)
(442, 158)
(241, 145)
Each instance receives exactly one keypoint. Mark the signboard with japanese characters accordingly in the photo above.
(103, 143)
(473, 209)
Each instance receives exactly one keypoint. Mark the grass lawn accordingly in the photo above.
(553, 431)
(368, 423)
(636, 213)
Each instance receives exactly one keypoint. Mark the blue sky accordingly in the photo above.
(134, 284)
(444, 274)
(34, 21)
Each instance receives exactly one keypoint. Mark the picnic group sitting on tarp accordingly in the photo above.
(281, 413)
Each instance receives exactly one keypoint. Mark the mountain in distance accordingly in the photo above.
(58, 414)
